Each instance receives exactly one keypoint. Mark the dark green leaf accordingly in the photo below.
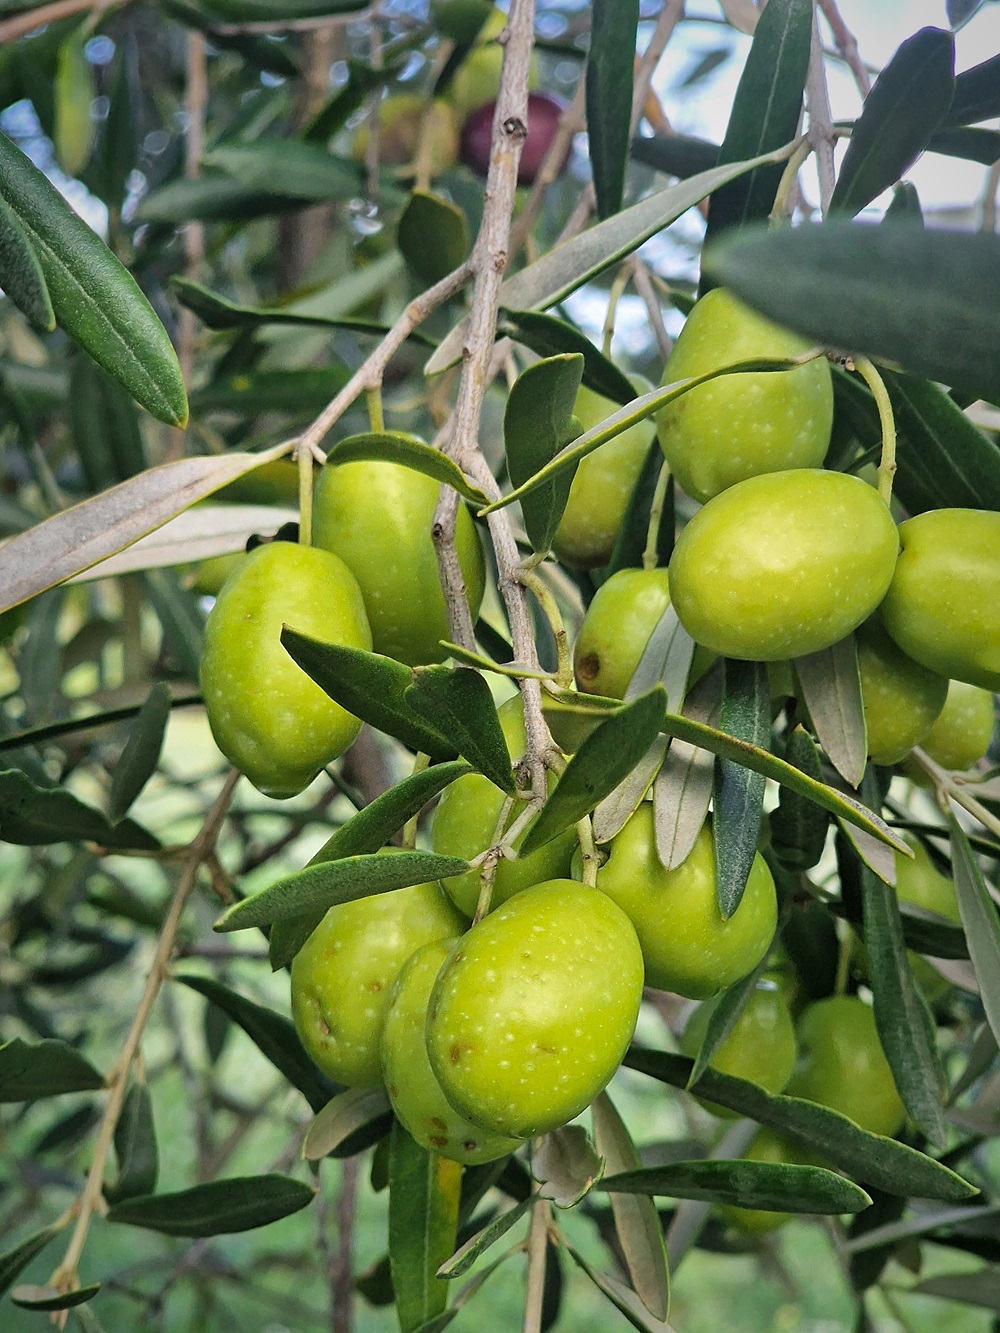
(213, 197)
(634, 531)
(610, 60)
(798, 826)
(972, 145)
(396, 446)
(925, 298)
(979, 1287)
(866, 1268)
(218, 313)
(765, 112)
(979, 917)
(680, 155)
(135, 1147)
(21, 274)
(370, 686)
(319, 887)
(259, 51)
(424, 1192)
(905, 1026)
(31, 815)
(30, 1297)
(273, 1035)
(725, 1013)
(830, 684)
(338, 109)
(242, 1203)
(342, 1117)
(746, 1184)
(15, 1261)
(105, 426)
(95, 299)
(137, 762)
(458, 702)
(262, 11)
(249, 392)
(738, 801)
(549, 336)
(181, 616)
(538, 422)
(607, 755)
(43, 1069)
(977, 94)
(637, 1222)
(904, 205)
(287, 167)
(881, 1162)
(466, 1255)
(433, 236)
(906, 104)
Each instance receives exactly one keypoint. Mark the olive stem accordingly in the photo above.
(947, 788)
(65, 1278)
(588, 851)
(491, 860)
(373, 401)
(550, 609)
(887, 462)
(844, 955)
(622, 279)
(538, 1239)
(303, 457)
(789, 179)
(650, 555)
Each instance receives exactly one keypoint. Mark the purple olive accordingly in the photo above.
(543, 119)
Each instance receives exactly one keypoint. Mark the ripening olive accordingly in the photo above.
(760, 1045)
(901, 697)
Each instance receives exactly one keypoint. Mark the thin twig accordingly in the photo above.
(195, 103)
(538, 1240)
(66, 1277)
(21, 24)
(644, 287)
(821, 133)
(846, 45)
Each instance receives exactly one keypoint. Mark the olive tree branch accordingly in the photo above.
(65, 1277)
(847, 45)
(821, 132)
(887, 459)
(538, 1239)
(947, 788)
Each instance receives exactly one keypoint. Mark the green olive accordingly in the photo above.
(783, 564)
(901, 698)
(760, 1046)
(741, 425)
(962, 733)
(267, 716)
(687, 946)
(767, 1146)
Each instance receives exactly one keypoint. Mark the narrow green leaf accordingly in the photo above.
(562, 270)
(219, 313)
(977, 94)
(302, 391)
(137, 762)
(617, 808)
(918, 1226)
(424, 1192)
(923, 297)
(45, 1068)
(396, 446)
(342, 1117)
(105, 426)
(631, 540)
(960, 11)
(31, 815)
(458, 703)
(370, 686)
(746, 1184)
(726, 1010)
(319, 887)
(980, 1287)
(609, 753)
(830, 682)
(738, 799)
(979, 918)
(73, 92)
(620, 1296)
(904, 205)
(610, 61)
(362, 79)
(21, 275)
(466, 1255)
(883, 1163)
(273, 1035)
(566, 1164)
(798, 826)
(908, 101)
(665, 660)
(75, 539)
(262, 11)
(681, 155)
(549, 336)
(15, 1261)
(182, 618)
(971, 145)
(943, 459)
(31, 1297)
(212, 197)
(135, 1147)
(905, 1026)
(287, 167)
(95, 299)
(637, 1222)
(433, 236)
(258, 52)
(242, 1203)
(538, 422)
(765, 112)
(683, 788)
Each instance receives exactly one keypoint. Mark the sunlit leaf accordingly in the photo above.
(538, 421)
(424, 1194)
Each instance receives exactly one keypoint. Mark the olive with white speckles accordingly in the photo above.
(343, 974)
(377, 517)
(267, 716)
(416, 1096)
(686, 944)
(741, 425)
(532, 1013)
(783, 565)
